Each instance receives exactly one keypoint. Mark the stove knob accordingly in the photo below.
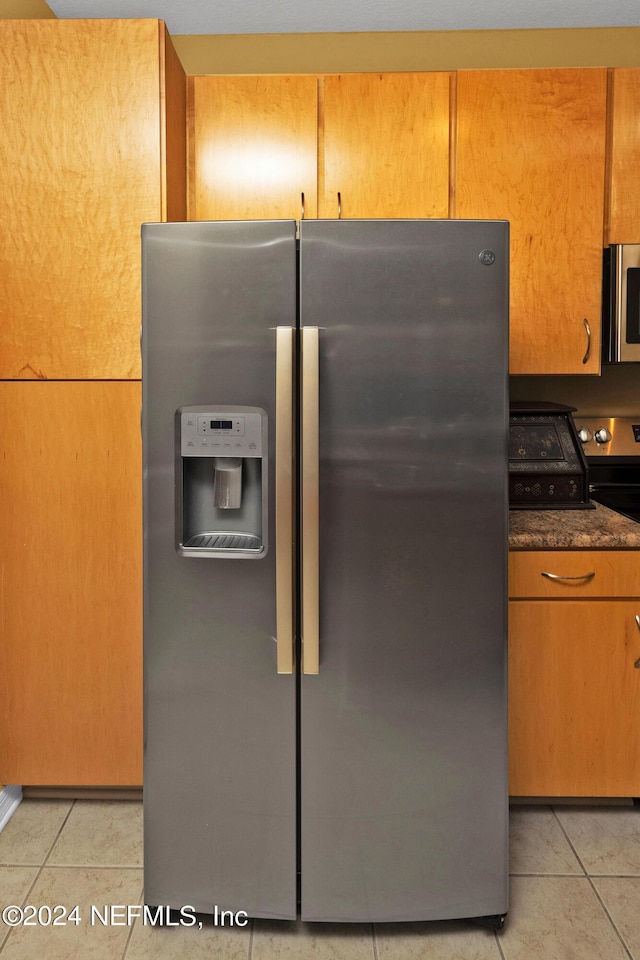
(584, 434)
(602, 435)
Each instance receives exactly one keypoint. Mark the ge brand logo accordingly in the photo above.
(487, 257)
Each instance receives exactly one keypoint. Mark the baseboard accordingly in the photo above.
(10, 799)
(43, 792)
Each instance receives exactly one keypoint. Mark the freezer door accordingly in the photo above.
(220, 740)
(403, 727)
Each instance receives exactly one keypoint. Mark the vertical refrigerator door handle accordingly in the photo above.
(284, 499)
(310, 501)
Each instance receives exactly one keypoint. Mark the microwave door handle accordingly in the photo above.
(310, 464)
(284, 497)
(621, 296)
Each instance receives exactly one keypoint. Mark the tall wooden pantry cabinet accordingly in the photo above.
(93, 144)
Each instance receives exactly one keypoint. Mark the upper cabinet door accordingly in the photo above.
(386, 145)
(624, 211)
(82, 165)
(531, 150)
(253, 147)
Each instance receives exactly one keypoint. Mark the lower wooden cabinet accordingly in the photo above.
(574, 687)
(71, 542)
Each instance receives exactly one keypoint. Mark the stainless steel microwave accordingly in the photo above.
(621, 304)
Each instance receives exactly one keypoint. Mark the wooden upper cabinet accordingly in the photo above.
(624, 199)
(531, 150)
(252, 147)
(386, 145)
(92, 115)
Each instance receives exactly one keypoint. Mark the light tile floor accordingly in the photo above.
(575, 895)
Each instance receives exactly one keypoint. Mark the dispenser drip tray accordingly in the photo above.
(223, 540)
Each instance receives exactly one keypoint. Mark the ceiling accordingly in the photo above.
(338, 16)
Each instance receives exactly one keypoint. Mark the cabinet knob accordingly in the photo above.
(584, 435)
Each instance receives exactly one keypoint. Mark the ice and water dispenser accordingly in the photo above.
(222, 481)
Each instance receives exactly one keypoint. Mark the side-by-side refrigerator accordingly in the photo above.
(325, 526)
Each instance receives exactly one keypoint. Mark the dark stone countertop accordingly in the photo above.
(598, 529)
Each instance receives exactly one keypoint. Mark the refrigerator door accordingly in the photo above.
(220, 740)
(403, 728)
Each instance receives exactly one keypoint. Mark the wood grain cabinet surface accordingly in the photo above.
(380, 141)
(574, 687)
(71, 545)
(86, 156)
(252, 147)
(531, 150)
(624, 199)
(385, 145)
(93, 118)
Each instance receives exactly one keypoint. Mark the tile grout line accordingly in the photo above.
(567, 876)
(569, 841)
(610, 918)
(83, 866)
(374, 941)
(499, 945)
(130, 935)
(250, 950)
(63, 825)
(592, 885)
(133, 925)
(39, 870)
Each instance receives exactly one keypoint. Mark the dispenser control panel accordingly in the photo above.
(220, 433)
(219, 427)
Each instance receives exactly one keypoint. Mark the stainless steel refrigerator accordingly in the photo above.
(325, 529)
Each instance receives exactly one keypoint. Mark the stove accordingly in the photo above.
(611, 446)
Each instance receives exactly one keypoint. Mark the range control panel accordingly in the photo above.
(220, 432)
(609, 436)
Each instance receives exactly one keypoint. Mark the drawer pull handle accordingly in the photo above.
(556, 576)
(637, 663)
